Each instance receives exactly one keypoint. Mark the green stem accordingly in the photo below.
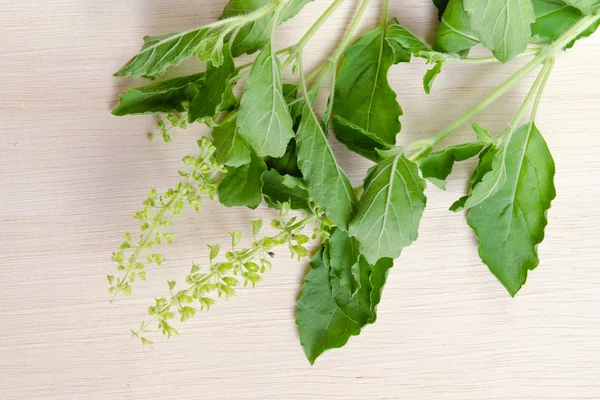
(547, 53)
(538, 98)
(533, 95)
(490, 60)
(350, 32)
(298, 47)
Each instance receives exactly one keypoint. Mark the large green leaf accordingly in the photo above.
(254, 35)
(242, 186)
(588, 7)
(455, 34)
(503, 26)
(264, 120)
(321, 322)
(390, 209)
(436, 167)
(161, 52)
(363, 94)
(278, 189)
(510, 224)
(231, 149)
(214, 92)
(161, 97)
(328, 185)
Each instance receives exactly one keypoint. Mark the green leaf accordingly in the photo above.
(407, 40)
(242, 186)
(439, 165)
(343, 257)
(553, 18)
(488, 185)
(483, 135)
(161, 52)
(350, 273)
(390, 209)
(588, 7)
(357, 139)
(503, 26)
(378, 278)
(255, 35)
(321, 323)
(264, 120)
(288, 164)
(277, 189)
(231, 149)
(363, 94)
(161, 97)
(328, 185)
(430, 76)
(455, 34)
(510, 224)
(486, 161)
(214, 92)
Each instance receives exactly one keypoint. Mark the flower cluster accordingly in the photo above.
(132, 257)
(220, 278)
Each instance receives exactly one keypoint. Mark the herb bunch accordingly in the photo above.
(268, 143)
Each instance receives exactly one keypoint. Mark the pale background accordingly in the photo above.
(71, 175)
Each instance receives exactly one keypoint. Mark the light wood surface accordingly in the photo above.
(71, 176)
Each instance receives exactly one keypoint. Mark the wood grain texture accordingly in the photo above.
(71, 175)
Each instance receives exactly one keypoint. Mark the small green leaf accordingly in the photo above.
(277, 190)
(242, 186)
(491, 182)
(231, 148)
(162, 97)
(439, 165)
(254, 35)
(328, 185)
(288, 163)
(430, 76)
(390, 209)
(214, 251)
(211, 95)
(510, 224)
(256, 226)
(264, 120)
(503, 26)
(483, 135)
(358, 140)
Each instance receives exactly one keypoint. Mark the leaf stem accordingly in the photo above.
(534, 95)
(299, 47)
(350, 32)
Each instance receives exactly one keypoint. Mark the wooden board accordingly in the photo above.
(71, 176)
